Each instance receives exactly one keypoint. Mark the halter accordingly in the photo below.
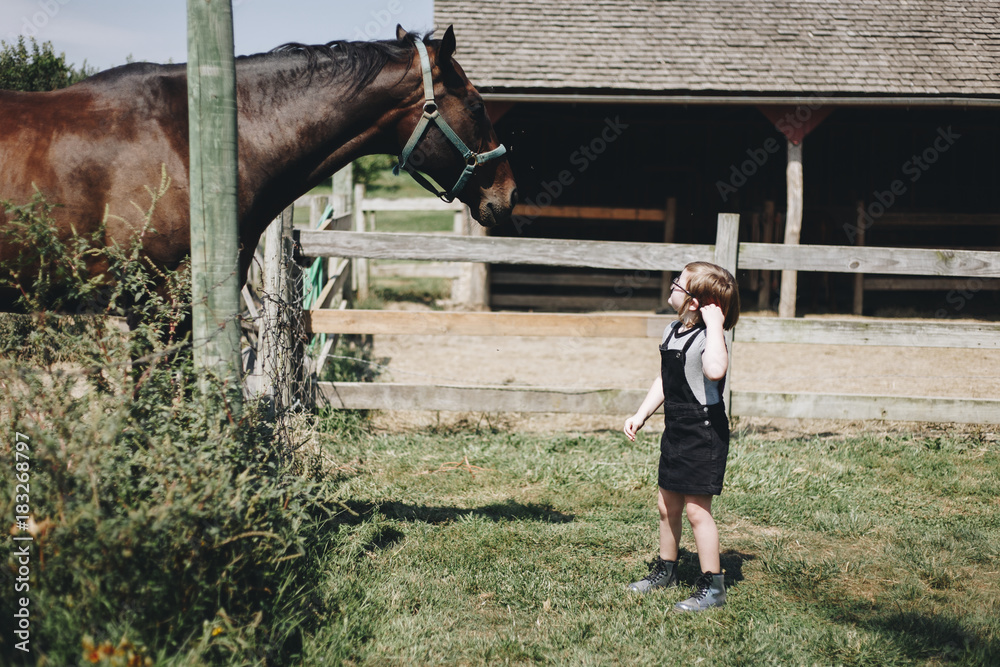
(431, 115)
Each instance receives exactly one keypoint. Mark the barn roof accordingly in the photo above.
(780, 47)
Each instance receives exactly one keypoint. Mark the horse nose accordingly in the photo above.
(513, 198)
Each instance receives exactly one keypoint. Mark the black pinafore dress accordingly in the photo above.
(695, 441)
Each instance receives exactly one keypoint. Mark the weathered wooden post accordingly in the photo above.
(211, 80)
(275, 357)
(360, 264)
(727, 246)
(793, 227)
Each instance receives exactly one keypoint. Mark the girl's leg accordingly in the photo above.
(671, 506)
(706, 535)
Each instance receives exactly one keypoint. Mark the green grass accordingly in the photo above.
(856, 551)
(395, 187)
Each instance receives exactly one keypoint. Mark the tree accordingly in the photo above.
(37, 69)
(368, 168)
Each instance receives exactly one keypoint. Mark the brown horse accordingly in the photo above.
(99, 148)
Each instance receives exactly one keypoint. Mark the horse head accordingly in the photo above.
(447, 134)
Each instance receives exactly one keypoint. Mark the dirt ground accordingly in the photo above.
(634, 362)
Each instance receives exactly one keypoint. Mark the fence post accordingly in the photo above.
(215, 289)
(793, 227)
(669, 232)
(275, 361)
(360, 264)
(727, 248)
(471, 287)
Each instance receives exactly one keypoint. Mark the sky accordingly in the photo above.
(105, 33)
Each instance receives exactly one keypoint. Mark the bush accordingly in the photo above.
(36, 70)
(163, 527)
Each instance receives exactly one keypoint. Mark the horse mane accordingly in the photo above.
(360, 62)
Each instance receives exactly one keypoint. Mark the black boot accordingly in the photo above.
(709, 591)
(662, 574)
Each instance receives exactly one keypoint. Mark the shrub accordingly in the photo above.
(162, 526)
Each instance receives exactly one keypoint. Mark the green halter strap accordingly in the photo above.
(431, 115)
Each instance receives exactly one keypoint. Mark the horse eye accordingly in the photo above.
(478, 109)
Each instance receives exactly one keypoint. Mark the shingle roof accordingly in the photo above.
(906, 47)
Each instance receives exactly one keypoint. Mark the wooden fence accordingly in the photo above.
(727, 251)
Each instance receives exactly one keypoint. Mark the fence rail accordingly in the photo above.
(656, 257)
(890, 333)
(648, 256)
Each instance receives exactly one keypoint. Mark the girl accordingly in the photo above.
(695, 443)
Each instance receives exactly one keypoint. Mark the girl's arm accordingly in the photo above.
(653, 400)
(715, 358)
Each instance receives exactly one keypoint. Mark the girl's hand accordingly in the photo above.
(632, 425)
(712, 315)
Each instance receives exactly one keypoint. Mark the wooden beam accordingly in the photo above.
(482, 324)
(801, 405)
(970, 285)
(360, 274)
(851, 259)
(393, 396)
(793, 227)
(591, 213)
(274, 361)
(648, 256)
(727, 242)
(886, 332)
(859, 278)
(548, 252)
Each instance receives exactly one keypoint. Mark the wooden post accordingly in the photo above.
(275, 358)
(859, 278)
(727, 246)
(793, 227)
(215, 289)
(343, 186)
(669, 231)
(471, 288)
(766, 236)
(360, 264)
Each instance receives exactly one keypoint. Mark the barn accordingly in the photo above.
(842, 123)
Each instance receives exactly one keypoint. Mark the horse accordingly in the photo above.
(99, 148)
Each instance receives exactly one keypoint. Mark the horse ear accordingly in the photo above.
(447, 49)
(400, 33)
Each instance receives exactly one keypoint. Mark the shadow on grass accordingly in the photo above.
(732, 561)
(506, 511)
(732, 564)
(919, 635)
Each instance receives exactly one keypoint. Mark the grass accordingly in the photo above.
(483, 547)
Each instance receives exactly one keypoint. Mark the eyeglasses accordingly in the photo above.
(674, 283)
